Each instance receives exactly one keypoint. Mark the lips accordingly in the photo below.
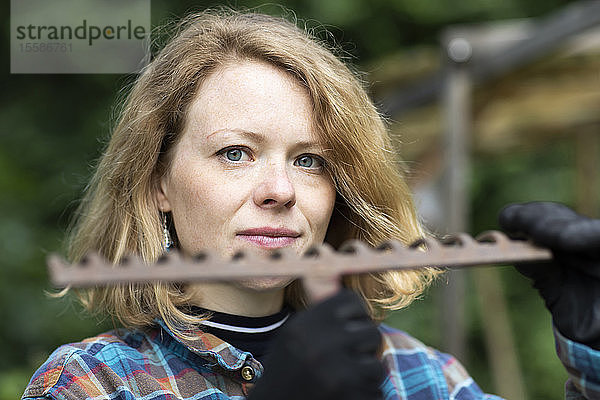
(268, 237)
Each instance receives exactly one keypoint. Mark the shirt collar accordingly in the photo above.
(214, 350)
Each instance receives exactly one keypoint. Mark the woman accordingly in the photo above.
(244, 133)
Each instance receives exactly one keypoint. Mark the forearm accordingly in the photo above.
(583, 366)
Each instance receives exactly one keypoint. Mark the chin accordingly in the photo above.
(264, 284)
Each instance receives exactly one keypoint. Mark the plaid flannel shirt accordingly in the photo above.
(159, 365)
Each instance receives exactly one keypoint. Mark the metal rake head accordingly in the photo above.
(320, 267)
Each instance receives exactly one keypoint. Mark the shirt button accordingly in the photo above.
(247, 373)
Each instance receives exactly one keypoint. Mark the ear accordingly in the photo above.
(161, 194)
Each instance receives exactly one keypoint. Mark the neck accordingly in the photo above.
(232, 299)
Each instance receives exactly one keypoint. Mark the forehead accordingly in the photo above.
(254, 96)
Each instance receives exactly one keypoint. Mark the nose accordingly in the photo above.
(275, 189)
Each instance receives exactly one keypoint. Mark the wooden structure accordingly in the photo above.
(495, 88)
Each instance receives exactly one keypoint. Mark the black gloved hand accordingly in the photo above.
(326, 352)
(570, 285)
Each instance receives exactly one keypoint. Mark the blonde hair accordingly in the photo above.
(119, 213)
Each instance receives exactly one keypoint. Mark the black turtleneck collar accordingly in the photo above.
(251, 334)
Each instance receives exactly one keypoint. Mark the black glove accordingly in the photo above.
(326, 352)
(570, 285)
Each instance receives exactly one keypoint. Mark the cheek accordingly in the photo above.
(202, 206)
(320, 202)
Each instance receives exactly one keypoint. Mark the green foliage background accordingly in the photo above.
(53, 128)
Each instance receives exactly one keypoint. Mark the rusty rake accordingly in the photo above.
(320, 268)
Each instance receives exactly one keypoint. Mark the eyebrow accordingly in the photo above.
(252, 135)
(259, 138)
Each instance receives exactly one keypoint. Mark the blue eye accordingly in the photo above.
(309, 161)
(305, 161)
(233, 154)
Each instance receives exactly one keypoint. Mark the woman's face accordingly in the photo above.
(248, 172)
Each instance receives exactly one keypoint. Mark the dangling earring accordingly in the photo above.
(167, 242)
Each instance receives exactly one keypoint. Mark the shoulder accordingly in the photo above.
(397, 343)
(416, 369)
(130, 364)
(93, 367)
(407, 353)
